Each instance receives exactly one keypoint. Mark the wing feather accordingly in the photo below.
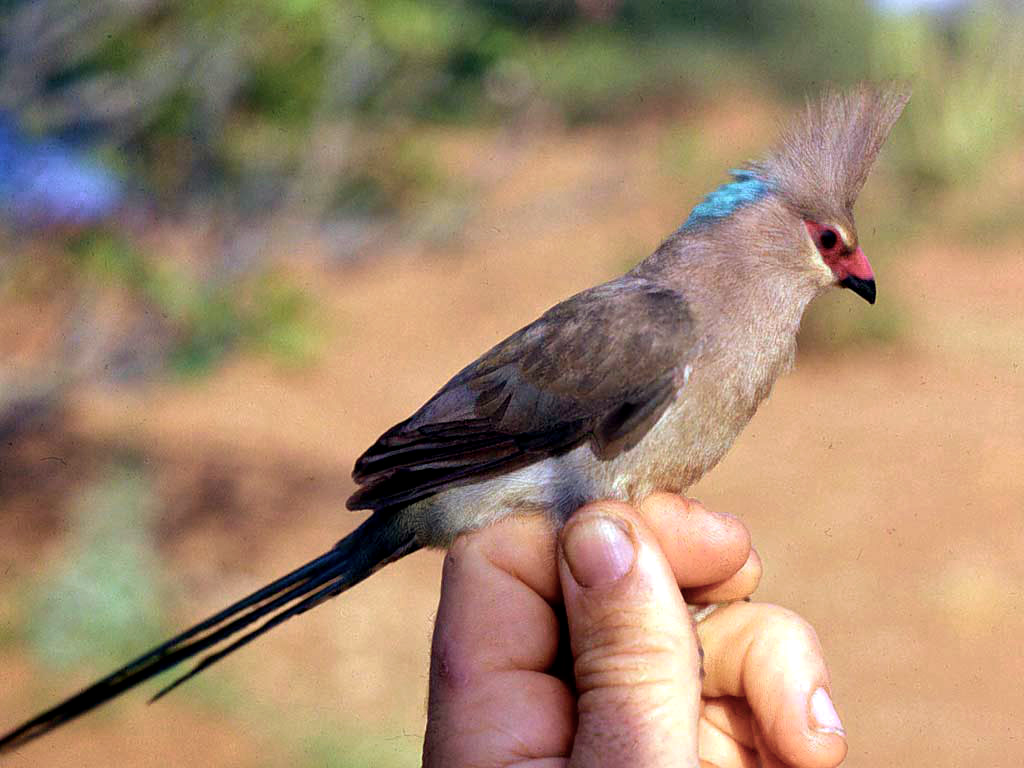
(600, 366)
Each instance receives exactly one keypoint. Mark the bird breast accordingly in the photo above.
(718, 397)
(715, 401)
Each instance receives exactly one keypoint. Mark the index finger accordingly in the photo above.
(496, 634)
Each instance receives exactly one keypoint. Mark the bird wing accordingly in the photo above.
(601, 366)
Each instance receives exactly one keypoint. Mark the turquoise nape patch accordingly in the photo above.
(747, 188)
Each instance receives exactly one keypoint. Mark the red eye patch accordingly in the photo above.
(827, 239)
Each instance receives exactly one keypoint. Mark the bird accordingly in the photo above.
(638, 385)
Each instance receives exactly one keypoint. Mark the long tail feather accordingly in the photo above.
(334, 587)
(375, 543)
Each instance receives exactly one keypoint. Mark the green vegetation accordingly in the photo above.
(968, 77)
(317, 110)
(232, 93)
(204, 320)
(102, 603)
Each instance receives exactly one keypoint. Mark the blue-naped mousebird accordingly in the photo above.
(635, 386)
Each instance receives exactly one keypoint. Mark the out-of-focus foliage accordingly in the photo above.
(46, 183)
(310, 105)
(968, 72)
(201, 320)
(299, 102)
(253, 119)
(103, 601)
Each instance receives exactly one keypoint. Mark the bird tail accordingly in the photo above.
(378, 541)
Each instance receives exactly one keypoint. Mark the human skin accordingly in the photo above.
(584, 654)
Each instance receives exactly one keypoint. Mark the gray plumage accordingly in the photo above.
(822, 160)
(637, 385)
(643, 383)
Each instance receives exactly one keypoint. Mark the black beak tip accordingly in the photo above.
(863, 288)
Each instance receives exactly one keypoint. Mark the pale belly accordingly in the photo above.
(684, 444)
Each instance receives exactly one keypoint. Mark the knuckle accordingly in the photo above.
(781, 633)
(617, 657)
(783, 624)
(754, 565)
(673, 501)
(631, 710)
(695, 506)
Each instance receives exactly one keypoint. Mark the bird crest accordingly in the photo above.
(823, 158)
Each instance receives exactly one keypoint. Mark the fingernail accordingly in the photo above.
(598, 550)
(824, 717)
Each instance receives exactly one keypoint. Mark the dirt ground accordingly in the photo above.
(883, 484)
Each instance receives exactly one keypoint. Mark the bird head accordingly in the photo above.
(836, 247)
(796, 203)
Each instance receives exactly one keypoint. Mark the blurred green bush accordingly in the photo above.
(968, 73)
(226, 100)
(102, 602)
(316, 109)
(203, 320)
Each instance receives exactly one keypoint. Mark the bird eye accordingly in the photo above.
(828, 239)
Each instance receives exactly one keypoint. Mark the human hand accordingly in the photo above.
(505, 691)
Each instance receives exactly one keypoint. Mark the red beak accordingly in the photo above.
(854, 272)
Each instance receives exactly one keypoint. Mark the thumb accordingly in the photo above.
(636, 655)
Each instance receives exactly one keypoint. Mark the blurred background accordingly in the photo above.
(240, 239)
